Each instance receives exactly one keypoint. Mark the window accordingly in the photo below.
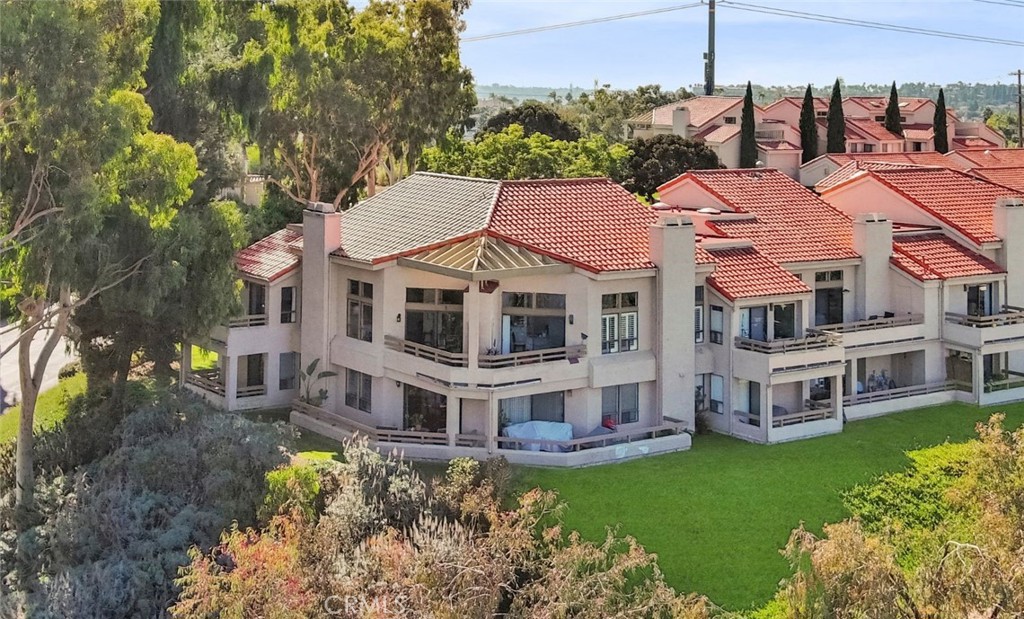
(754, 323)
(869, 148)
(717, 323)
(532, 321)
(620, 404)
(717, 394)
(289, 305)
(821, 113)
(698, 315)
(748, 401)
(358, 390)
(254, 370)
(433, 317)
(828, 297)
(979, 300)
(255, 296)
(730, 120)
(537, 407)
(425, 410)
(785, 320)
(828, 276)
(619, 322)
(288, 371)
(360, 310)
(917, 146)
(880, 119)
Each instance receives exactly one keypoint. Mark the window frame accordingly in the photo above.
(290, 316)
(294, 378)
(632, 408)
(359, 303)
(360, 395)
(716, 336)
(698, 315)
(620, 322)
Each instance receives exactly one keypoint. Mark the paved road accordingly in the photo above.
(9, 363)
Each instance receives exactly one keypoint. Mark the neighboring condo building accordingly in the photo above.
(458, 312)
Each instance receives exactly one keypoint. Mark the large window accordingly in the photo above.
(288, 371)
(289, 305)
(620, 403)
(717, 394)
(828, 297)
(619, 322)
(754, 323)
(254, 367)
(537, 407)
(784, 316)
(532, 321)
(360, 310)
(717, 324)
(425, 410)
(358, 390)
(255, 297)
(698, 315)
(748, 401)
(433, 317)
(979, 300)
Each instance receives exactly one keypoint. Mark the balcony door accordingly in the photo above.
(754, 323)
(784, 316)
(255, 297)
(434, 318)
(532, 321)
(828, 306)
(979, 300)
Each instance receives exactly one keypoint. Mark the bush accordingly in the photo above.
(293, 488)
(69, 369)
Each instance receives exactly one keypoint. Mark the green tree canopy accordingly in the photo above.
(808, 127)
(533, 117)
(836, 137)
(657, 160)
(893, 121)
(511, 154)
(939, 123)
(748, 139)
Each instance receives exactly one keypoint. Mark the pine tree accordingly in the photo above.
(941, 139)
(748, 141)
(892, 113)
(808, 127)
(836, 122)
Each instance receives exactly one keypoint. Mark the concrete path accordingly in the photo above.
(9, 379)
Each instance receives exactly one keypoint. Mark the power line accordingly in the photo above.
(756, 8)
(1019, 5)
(584, 22)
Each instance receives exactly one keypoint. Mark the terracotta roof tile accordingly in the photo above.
(1008, 176)
(269, 258)
(850, 169)
(702, 110)
(918, 131)
(718, 133)
(777, 145)
(993, 157)
(871, 129)
(879, 103)
(791, 223)
(971, 142)
(927, 158)
(744, 272)
(936, 256)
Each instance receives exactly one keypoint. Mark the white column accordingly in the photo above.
(978, 381)
(492, 424)
(229, 376)
(186, 362)
(471, 314)
(452, 418)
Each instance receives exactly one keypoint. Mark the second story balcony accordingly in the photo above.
(976, 331)
(879, 330)
(756, 359)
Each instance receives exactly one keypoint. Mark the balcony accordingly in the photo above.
(207, 380)
(253, 320)
(422, 351)
(529, 357)
(799, 344)
(756, 360)
(876, 331)
(978, 331)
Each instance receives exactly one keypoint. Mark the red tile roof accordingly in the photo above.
(1007, 176)
(993, 157)
(936, 256)
(918, 131)
(702, 110)
(791, 223)
(971, 142)
(820, 103)
(870, 129)
(878, 103)
(743, 272)
(777, 145)
(269, 258)
(960, 200)
(850, 169)
(590, 222)
(718, 133)
(927, 158)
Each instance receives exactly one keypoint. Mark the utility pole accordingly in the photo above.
(1020, 110)
(709, 57)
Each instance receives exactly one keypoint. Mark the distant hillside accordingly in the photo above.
(969, 100)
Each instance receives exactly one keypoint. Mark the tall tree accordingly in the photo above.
(893, 122)
(533, 117)
(940, 126)
(808, 127)
(836, 130)
(656, 160)
(349, 86)
(748, 139)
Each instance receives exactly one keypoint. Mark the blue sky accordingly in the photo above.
(667, 48)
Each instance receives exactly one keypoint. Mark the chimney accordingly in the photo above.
(1008, 225)
(872, 240)
(680, 121)
(321, 235)
(672, 242)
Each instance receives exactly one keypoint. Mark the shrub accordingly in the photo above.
(293, 488)
(69, 369)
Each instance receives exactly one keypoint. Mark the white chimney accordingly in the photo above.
(321, 235)
(1008, 225)
(872, 240)
(680, 122)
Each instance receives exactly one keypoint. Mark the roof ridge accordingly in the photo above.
(489, 181)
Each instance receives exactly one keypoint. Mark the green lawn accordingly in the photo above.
(718, 514)
(203, 359)
(49, 409)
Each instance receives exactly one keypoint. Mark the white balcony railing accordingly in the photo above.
(436, 355)
(811, 414)
(815, 341)
(899, 392)
(873, 323)
(1010, 315)
(207, 380)
(252, 320)
(533, 356)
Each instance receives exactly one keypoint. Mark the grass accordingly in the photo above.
(718, 514)
(49, 408)
(203, 359)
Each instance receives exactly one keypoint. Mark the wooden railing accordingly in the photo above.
(589, 442)
(381, 435)
(815, 341)
(1013, 380)
(747, 418)
(901, 392)
(451, 359)
(873, 323)
(791, 419)
(207, 380)
(250, 392)
(253, 320)
(1010, 315)
(533, 356)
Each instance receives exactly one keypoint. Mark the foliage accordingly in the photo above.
(533, 117)
(294, 488)
(510, 154)
(657, 160)
(111, 533)
(748, 139)
(836, 127)
(808, 127)
(275, 211)
(309, 378)
(940, 124)
(892, 113)
(604, 111)
(1005, 123)
(349, 85)
(51, 407)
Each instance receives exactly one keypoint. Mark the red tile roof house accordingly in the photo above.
(453, 309)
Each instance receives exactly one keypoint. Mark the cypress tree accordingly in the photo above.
(808, 127)
(941, 139)
(836, 122)
(892, 113)
(748, 141)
